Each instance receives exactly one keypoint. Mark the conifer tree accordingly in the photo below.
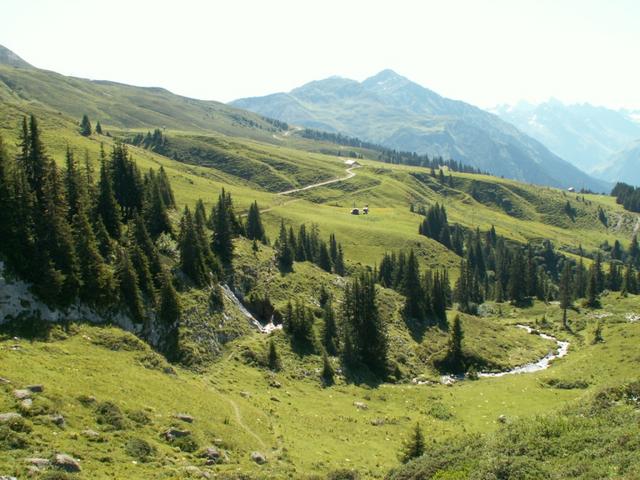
(330, 330)
(85, 126)
(129, 290)
(98, 128)
(338, 265)
(328, 373)
(592, 288)
(414, 446)
(107, 206)
(412, 290)
(455, 356)
(284, 253)
(156, 216)
(192, 260)
(223, 229)
(165, 189)
(324, 260)
(255, 229)
(273, 358)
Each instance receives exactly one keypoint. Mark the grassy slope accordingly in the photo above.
(277, 421)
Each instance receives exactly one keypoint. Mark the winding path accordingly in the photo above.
(350, 174)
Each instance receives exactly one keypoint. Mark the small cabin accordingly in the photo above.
(355, 211)
(351, 163)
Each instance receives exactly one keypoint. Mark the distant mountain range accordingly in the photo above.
(391, 110)
(594, 139)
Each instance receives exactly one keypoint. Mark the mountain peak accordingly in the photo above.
(7, 57)
(386, 75)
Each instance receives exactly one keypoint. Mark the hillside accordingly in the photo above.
(585, 135)
(257, 364)
(391, 110)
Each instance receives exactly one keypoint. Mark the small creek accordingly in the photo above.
(562, 349)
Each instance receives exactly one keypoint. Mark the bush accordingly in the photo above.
(19, 425)
(563, 384)
(10, 440)
(55, 475)
(108, 413)
(343, 474)
(140, 417)
(186, 443)
(140, 449)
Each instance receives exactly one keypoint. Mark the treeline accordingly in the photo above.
(427, 294)
(156, 141)
(74, 239)
(389, 155)
(307, 245)
(497, 269)
(627, 196)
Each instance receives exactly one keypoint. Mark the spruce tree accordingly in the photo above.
(85, 126)
(455, 356)
(592, 288)
(273, 358)
(169, 309)
(414, 446)
(328, 373)
(284, 253)
(330, 330)
(255, 229)
(411, 288)
(324, 260)
(155, 212)
(98, 128)
(222, 222)
(129, 290)
(338, 265)
(192, 260)
(106, 206)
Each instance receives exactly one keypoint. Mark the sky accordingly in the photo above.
(485, 52)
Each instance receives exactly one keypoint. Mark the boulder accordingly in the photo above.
(274, 399)
(361, 405)
(27, 403)
(6, 477)
(7, 417)
(172, 433)
(38, 462)
(184, 417)
(211, 453)
(91, 435)
(502, 419)
(245, 394)
(259, 458)
(66, 463)
(21, 394)
(57, 419)
(35, 388)
(4, 381)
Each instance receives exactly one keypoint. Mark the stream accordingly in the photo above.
(562, 349)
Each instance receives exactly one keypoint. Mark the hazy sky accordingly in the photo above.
(482, 51)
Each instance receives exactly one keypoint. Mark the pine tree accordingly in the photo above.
(85, 126)
(592, 288)
(412, 290)
(328, 373)
(414, 447)
(222, 221)
(107, 206)
(255, 229)
(192, 260)
(129, 290)
(324, 260)
(338, 265)
(330, 330)
(155, 213)
(455, 356)
(284, 254)
(273, 358)
(98, 128)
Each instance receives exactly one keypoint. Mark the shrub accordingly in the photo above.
(10, 440)
(343, 474)
(140, 449)
(108, 413)
(140, 417)
(186, 444)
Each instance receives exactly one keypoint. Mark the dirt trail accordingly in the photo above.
(244, 426)
(350, 174)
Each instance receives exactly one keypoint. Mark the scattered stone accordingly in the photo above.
(26, 403)
(66, 462)
(38, 462)
(502, 419)
(21, 394)
(275, 399)
(218, 442)
(33, 471)
(4, 381)
(91, 435)
(35, 388)
(184, 417)
(361, 405)
(211, 452)
(275, 384)
(6, 477)
(57, 419)
(172, 433)
(259, 458)
(7, 417)
(245, 394)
